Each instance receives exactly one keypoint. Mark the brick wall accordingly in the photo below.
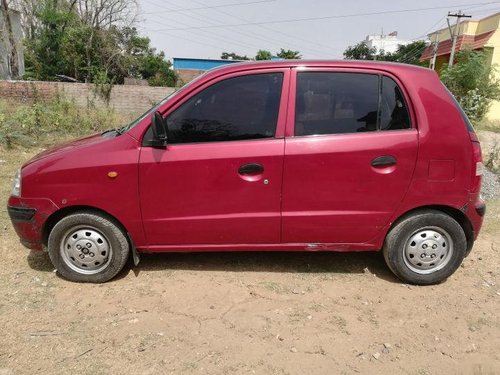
(127, 99)
(187, 75)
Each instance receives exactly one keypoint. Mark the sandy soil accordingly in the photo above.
(262, 313)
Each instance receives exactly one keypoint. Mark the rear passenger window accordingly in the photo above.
(337, 103)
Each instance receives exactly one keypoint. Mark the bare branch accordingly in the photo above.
(106, 13)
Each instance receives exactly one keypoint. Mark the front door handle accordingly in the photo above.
(252, 169)
(384, 161)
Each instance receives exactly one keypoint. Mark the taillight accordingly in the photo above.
(477, 170)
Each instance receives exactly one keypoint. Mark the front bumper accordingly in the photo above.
(21, 213)
(28, 216)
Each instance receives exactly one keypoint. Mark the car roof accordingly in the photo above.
(360, 64)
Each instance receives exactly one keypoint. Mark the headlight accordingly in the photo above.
(16, 184)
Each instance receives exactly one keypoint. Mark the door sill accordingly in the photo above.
(308, 247)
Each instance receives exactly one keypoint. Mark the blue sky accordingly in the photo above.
(316, 28)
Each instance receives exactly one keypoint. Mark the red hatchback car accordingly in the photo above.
(273, 156)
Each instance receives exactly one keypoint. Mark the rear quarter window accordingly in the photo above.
(394, 112)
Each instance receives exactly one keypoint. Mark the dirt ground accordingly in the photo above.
(258, 313)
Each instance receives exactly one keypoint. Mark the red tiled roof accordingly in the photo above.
(444, 47)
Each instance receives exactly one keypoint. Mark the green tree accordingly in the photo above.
(233, 56)
(143, 62)
(471, 80)
(406, 53)
(68, 43)
(360, 51)
(289, 54)
(79, 55)
(44, 56)
(263, 55)
(157, 70)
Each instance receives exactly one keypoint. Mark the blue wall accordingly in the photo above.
(199, 64)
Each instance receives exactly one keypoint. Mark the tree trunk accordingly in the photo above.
(13, 55)
(88, 54)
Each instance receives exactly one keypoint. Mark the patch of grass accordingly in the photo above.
(339, 322)
(492, 160)
(186, 366)
(270, 369)
(477, 324)
(317, 307)
(275, 287)
(41, 122)
(489, 125)
(10, 161)
(492, 219)
(298, 315)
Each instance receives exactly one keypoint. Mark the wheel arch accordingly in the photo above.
(56, 216)
(455, 213)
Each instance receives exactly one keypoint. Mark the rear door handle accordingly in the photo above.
(384, 161)
(252, 168)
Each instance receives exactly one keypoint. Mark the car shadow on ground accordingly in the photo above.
(279, 262)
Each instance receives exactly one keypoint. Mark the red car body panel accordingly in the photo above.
(82, 181)
(343, 198)
(212, 203)
(30, 231)
(321, 193)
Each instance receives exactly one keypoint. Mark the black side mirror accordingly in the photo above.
(159, 127)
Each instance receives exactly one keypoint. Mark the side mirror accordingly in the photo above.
(159, 127)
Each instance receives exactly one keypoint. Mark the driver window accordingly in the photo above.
(239, 108)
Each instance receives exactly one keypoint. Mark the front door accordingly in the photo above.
(219, 179)
(349, 158)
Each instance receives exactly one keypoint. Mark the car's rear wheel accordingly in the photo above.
(425, 248)
(88, 247)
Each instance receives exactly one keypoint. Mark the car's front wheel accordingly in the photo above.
(88, 247)
(425, 248)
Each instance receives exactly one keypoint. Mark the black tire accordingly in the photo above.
(410, 261)
(88, 247)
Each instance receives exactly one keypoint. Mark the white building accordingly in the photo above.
(388, 43)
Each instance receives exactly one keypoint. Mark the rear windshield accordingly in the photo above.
(464, 116)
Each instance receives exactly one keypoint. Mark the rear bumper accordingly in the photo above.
(481, 209)
(28, 216)
(475, 212)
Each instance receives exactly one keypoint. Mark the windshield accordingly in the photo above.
(151, 110)
(155, 108)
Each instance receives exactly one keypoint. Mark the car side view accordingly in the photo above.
(267, 156)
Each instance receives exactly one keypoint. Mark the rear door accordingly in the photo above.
(349, 156)
(219, 179)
